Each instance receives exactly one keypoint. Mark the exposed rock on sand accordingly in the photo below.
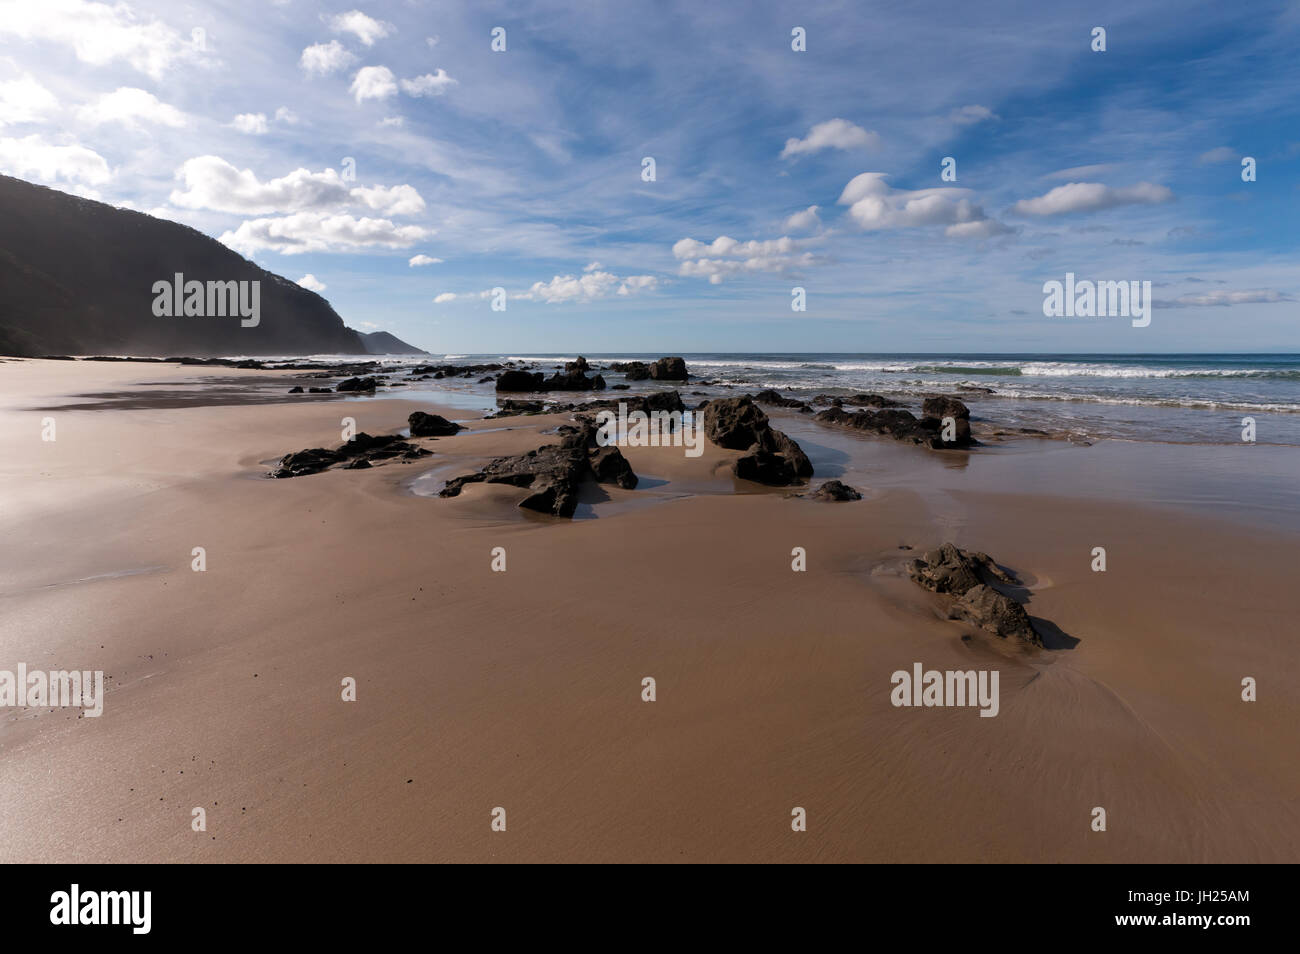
(771, 457)
(362, 448)
(835, 490)
(904, 426)
(356, 384)
(554, 472)
(966, 574)
(774, 398)
(572, 378)
(431, 425)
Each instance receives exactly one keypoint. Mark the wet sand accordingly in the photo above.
(522, 689)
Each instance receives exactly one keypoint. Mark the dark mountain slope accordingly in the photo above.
(77, 276)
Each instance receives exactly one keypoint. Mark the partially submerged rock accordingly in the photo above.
(669, 369)
(431, 425)
(553, 473)
(770, 456)
(357, 384)
(941, 431)
(967, 575)
(835, 490)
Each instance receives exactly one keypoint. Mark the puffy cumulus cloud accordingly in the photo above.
(430, 84)
(97, 33)
(364, 28)
(1091, 197)
(832, 134)
(320, 59)
(875, 205)
(286, 115)
(213, 183)
(593, 283)
(33, 158)
(1221, 154)
(969, 115)
(373, 82)
(315, 232)
(312, 283)
(725, 257)
(803, 221)
(390, 200)
(130, 107)
(24, 100)
(1223, 298)
(419, 260)
(252, 123)
(444, 298)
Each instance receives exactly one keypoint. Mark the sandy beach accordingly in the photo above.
(523, 689)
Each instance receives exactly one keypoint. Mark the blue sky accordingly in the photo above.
(522, 169)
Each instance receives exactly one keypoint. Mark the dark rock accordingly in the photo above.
(320, 390)
(311, 461)
(431, 425)
(901, 425)
(357, 384)
(359, 464)
(950, 569)
(872, 400)
(835, 490)
(944, 406)
(996, 613)
(296, 390)
(579, 366)
(611, 467)
(770, 456)
(669, 369)
(519, 381)
(620, 387)
(774, 398)
(635, 370)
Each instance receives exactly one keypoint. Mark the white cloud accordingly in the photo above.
(312, 283)
(1223, 298)
(832, 134)
(364, 28)
(803, 221)
(98, 33)
(1091, 197)
(1083, 172)
(35, 159)
(24, 100)
(392, 121)
(430, 84)
(875, 205)
(1221, 154)
(314, 232)
(432, 41)
(969, 115)
(373, 82)
(725, 257)
(592, 284)
(252, 123)
(286, 115)
(321, 59)
(130, 107)
(213, 183)
(444, 298)
(419, 260)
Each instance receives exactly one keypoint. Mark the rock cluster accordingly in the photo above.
(905, 426)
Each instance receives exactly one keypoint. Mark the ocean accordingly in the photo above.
(1181, 398)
